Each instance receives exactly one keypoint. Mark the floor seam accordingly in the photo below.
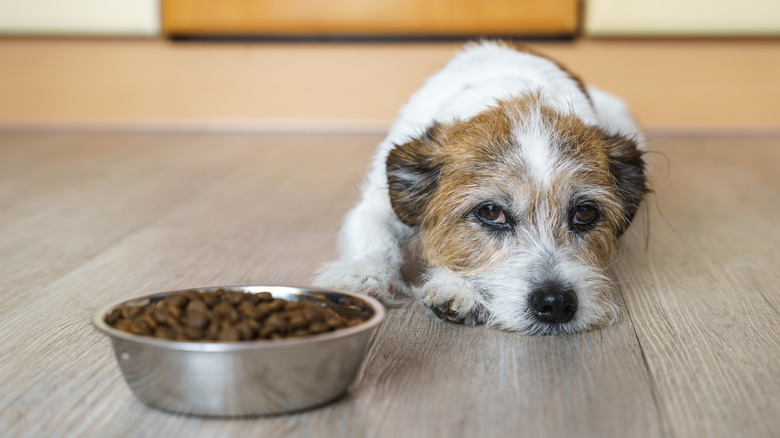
(664, 426)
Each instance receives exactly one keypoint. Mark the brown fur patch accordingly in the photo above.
(438, 181)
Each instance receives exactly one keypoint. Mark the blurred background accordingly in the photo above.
(348, 65)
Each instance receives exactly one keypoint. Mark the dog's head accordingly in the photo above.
(527, 204)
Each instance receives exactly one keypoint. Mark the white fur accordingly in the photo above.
(442, 285)
(372, 238)
(534, 134)
(541, 257)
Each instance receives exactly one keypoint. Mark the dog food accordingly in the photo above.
(227, 315)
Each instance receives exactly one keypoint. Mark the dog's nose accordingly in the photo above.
(553, 303)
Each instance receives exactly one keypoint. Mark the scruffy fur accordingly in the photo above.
(500, 133)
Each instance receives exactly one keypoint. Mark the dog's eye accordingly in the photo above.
(584, 215)
(492, 214)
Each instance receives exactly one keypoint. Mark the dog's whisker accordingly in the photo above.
(617, 259)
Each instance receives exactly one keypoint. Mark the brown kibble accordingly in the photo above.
(300, 332)
(293, 305)
(197, 320)
(130, 312)
(139, 327)
(113, 318)
(228, 316)
(270, 328)
(264, 309)
(277, 304)
(149, 319)
(193, 333)
(164, 332)
(252, 298)
(313, 313)
(212, 332)
(176, 324)
(234, 297)
(162, 316)
(174, 311)
(196, 306)
(335, 323)
(332, 313)
(318, 327)
(276, 319)
(274, 324)
(176, 300)
(192, 295)
(225, 310)
(228, 334)
(297, 321)
(123, 325)
(247, 309)
(245, 332)
(211, 298)
(142, 323)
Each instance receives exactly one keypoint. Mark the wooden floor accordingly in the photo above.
(87, 219)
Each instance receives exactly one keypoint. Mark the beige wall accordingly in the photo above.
(80, 17)
(682, 17)
(157, 84)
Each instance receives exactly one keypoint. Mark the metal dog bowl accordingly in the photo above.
(244, 378)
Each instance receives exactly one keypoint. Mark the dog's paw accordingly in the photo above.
(451, 299)
(374, 279)
(458, 312)
(446, 312)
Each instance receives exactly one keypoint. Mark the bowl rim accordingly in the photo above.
(98, 321)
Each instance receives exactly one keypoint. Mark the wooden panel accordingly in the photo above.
(369, 17)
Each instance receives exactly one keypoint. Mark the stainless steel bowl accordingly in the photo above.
(245, 377)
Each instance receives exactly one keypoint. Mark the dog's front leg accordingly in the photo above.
(371, 242)
(452, 298)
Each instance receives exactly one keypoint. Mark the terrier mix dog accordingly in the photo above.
(517, 181)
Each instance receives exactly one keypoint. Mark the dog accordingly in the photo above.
(516, 180)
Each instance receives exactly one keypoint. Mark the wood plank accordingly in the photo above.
(68, 201)
(704, 297)
(376, 17)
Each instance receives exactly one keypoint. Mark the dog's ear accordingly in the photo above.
(413, 175)
(627, 165)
